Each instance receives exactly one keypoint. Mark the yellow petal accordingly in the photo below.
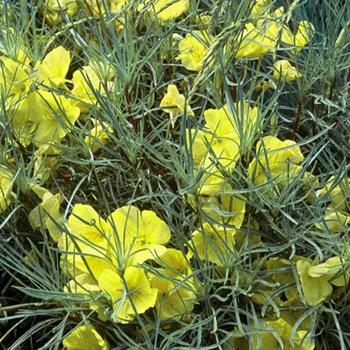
(6, 182)
(285, 71)
(155, 230)
(54, 67)
(192, 50)
(85, 337)
(98, 135)
(175, 103)
(166, 10)
(213, 243)
(333, 267)
(315, 289)
(47, 215)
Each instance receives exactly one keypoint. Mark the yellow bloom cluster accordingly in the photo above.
(39, 106)
(256, 40)
(105, 256)
(163, 10)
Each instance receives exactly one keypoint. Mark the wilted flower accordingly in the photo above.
(285, 71)
(174, 103)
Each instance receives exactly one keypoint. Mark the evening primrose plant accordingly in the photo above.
(174, 174)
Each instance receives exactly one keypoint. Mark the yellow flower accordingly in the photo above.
(131, 294)
(259, 8)
(279, 271)
(282, 329)
(174, 103)
(223, 208)
(174, 263)
(209, 155)
(174, 300)
(240, 123)
(46, 158)
(333, 270)
(14, 77)
(86, 85)
(335, 221)
(52, 70)
(166, 10)
(141, 235)
(127, 237)
(303, 36)
(338, 194)
(22, 56)
(226, 133)
(117, 5)
(21, 105)
(193, 49)
(47, 214)
(231, 129)
(236, 341)
(98, 135)
(86, 247)
(203, 21)
(213, 243)
(176, 291)
(55, 8)
(97, 8)
(23, 112)
(275, 158)
(285, 71)
(305, 32)
(315, 289)
(256, 41)
(83, 283)
(96, 250)
(85, 337)
(209, 149)
(6, 182)
(58, 113)
(211, 181)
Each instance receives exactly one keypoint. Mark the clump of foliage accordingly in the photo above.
(174, 174)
